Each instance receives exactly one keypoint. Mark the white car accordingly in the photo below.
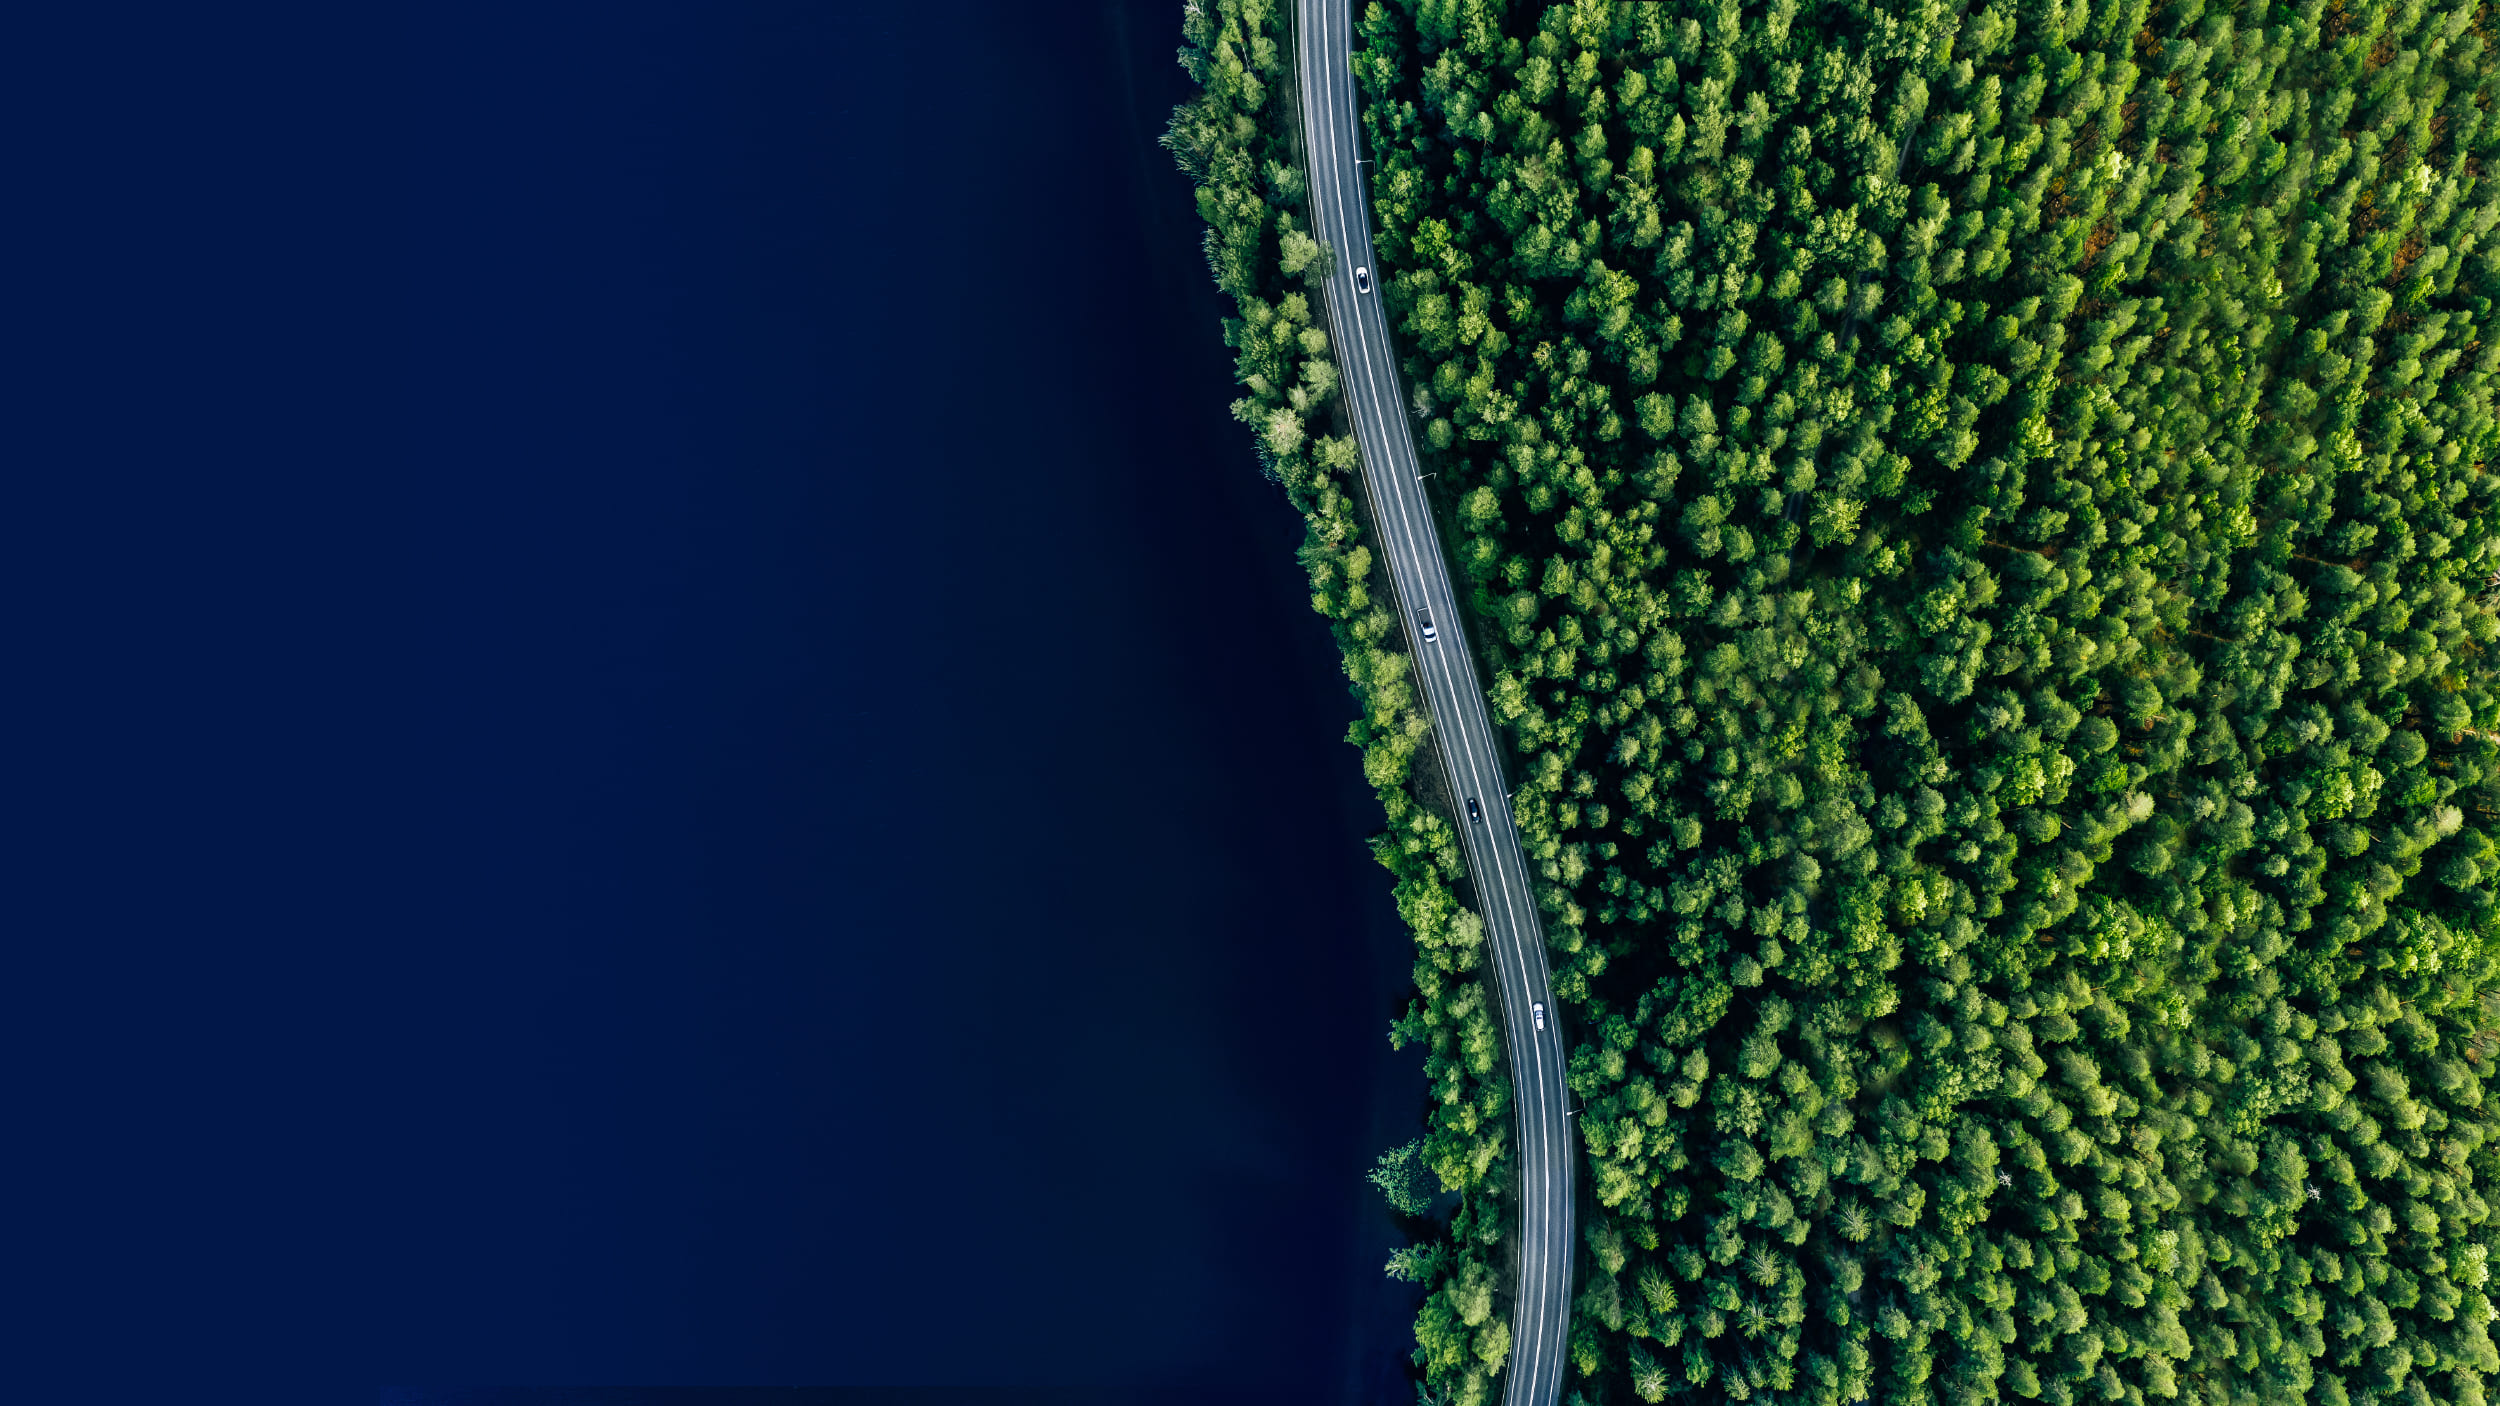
(1429, 632)
(1362, 280)
(1537, 1009)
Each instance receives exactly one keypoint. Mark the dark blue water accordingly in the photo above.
(663, 733)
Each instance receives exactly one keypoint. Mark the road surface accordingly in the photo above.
(1541, 1304)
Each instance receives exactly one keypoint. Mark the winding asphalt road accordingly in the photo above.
(1541, 1305)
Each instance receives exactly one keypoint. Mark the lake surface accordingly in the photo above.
(915, 925)
(692, 587)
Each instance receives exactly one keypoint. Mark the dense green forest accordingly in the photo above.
(1978, 522)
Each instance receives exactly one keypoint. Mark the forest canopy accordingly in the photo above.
(1978, 521)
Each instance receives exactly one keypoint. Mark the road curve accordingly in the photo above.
(1541, 1305)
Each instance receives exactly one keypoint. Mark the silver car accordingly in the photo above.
(1537, 1009)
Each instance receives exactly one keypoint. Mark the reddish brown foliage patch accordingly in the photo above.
(2406, 253)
